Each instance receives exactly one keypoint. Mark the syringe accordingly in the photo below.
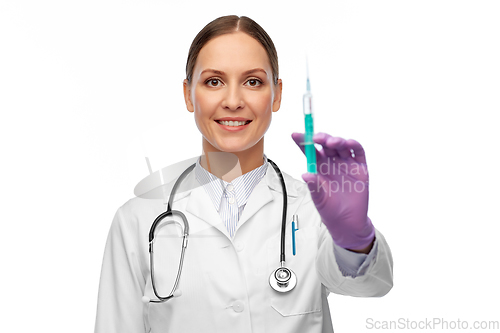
(309, 122)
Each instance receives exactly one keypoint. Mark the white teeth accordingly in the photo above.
(232, 123)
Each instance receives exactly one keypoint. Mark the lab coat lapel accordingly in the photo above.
(265, 192)
(261, 196)
(200, 205)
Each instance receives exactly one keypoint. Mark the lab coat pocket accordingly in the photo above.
(305, 298)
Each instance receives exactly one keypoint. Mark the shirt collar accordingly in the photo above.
(243, 185)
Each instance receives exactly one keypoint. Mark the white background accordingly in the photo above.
(88, 88)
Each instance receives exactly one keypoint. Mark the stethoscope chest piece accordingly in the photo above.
(282, 279)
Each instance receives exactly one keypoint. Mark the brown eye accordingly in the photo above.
(253, 82)
(213, 82)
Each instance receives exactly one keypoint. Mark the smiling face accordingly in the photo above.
(233, 81)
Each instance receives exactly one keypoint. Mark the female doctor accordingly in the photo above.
(234, 204)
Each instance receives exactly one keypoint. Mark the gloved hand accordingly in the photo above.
(340, 190)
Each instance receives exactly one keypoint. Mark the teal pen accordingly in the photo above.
(309, 124)
(295, 227)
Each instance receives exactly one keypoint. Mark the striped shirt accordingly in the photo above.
(230, 199)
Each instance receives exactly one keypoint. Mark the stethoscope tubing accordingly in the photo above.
(285, 206)
(184, 240)
(185, 235)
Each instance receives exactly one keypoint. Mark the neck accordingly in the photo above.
(229, 166)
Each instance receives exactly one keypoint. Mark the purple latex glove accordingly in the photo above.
(340, 190)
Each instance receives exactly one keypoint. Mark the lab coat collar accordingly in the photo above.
(200, 205)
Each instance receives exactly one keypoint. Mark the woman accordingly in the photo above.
(232, 87)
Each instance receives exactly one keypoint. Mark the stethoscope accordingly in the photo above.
(282, 279)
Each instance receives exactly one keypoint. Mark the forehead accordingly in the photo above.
(234, 51)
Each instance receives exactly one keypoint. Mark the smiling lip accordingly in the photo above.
(233, 128)
(232, 119)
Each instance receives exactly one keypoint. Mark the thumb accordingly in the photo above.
(299, 140)
(316, 184)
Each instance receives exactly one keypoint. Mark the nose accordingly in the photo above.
(233, 99)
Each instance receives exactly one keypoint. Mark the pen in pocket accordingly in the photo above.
(295, 227)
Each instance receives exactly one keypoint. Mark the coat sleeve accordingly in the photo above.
(376, 280)
(119, 307)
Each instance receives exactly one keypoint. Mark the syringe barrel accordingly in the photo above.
(308, 107)
(309, 148)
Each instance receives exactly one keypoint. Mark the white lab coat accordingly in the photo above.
(225, 282)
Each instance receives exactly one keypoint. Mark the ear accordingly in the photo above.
(187, 96)
(277, 95)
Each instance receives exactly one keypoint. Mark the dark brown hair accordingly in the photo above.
(229, 24)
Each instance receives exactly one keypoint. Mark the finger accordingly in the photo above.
(317, 187)
(333, 146)
(322, 138)
(337, 145)
(342, 149)
(357, 151)
(299, 140)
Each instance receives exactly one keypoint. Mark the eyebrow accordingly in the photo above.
(215, 71)
(254, 70)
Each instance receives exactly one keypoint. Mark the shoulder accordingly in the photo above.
(299, 196)
(137, 206)
(137, 214)
(295, 188)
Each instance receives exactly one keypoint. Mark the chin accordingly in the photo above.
(233, 148)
